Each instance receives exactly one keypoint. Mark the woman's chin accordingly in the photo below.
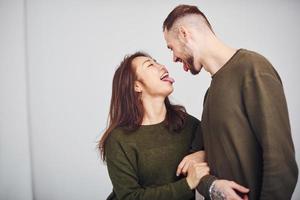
(170, 91)
(164, 91)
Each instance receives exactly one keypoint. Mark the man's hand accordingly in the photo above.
(195, 173)
(197, 157)
(229, 190)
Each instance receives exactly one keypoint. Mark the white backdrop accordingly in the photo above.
(57, 59)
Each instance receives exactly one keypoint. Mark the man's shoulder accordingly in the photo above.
(255, 66)
(255, 63)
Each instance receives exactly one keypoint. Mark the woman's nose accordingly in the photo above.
(161, 67)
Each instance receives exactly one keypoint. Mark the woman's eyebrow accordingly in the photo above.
(148, 60)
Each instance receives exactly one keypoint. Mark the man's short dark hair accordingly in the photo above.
(181, 11)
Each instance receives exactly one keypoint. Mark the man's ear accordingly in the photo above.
(137, 86)
(183, 33)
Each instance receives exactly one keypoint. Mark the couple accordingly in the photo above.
(242, 149)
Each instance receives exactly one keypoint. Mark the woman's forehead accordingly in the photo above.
(141, 60)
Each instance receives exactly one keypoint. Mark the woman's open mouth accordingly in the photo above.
(167, 78)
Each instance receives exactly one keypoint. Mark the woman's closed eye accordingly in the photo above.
(150, 65)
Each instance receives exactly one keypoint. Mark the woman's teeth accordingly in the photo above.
(164, 75)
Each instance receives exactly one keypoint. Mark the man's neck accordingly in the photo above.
(217, 57)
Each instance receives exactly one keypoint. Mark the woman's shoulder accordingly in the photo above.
(117, 134)
(191, 122)
(192, 119)
(115, 140)
(123, 135)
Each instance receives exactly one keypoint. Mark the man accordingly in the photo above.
(245, 122)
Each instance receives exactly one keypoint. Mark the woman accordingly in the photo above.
(147, 136)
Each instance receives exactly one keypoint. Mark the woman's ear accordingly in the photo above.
(137, 86)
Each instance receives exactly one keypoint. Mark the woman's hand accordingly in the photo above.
(195, 172)
(197, 157)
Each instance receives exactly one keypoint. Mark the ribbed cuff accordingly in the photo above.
(204, 185)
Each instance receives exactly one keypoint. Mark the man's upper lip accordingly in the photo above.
(179, 60)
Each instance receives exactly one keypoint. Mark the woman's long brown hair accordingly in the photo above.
(126, 109)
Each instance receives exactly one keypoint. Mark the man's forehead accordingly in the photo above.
(166, 33)
(167, 38)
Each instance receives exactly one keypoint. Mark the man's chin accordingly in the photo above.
(194, 71)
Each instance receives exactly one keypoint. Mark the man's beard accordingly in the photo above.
(190, 62)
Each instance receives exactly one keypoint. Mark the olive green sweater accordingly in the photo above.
(246, 130)
(142, 164)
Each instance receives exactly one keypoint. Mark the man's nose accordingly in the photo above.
(175, 59)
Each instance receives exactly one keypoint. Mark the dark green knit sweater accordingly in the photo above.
(246, 130)
(142, 164)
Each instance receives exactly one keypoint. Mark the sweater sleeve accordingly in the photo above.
(205, 184)
(123, 172)
(197, 143)
(267, 112)
(206, 181)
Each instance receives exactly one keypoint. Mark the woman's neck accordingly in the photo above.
(154, 110)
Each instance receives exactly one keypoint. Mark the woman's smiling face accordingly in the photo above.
(152, 78)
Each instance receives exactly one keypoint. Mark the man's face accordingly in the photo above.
(181, 52)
